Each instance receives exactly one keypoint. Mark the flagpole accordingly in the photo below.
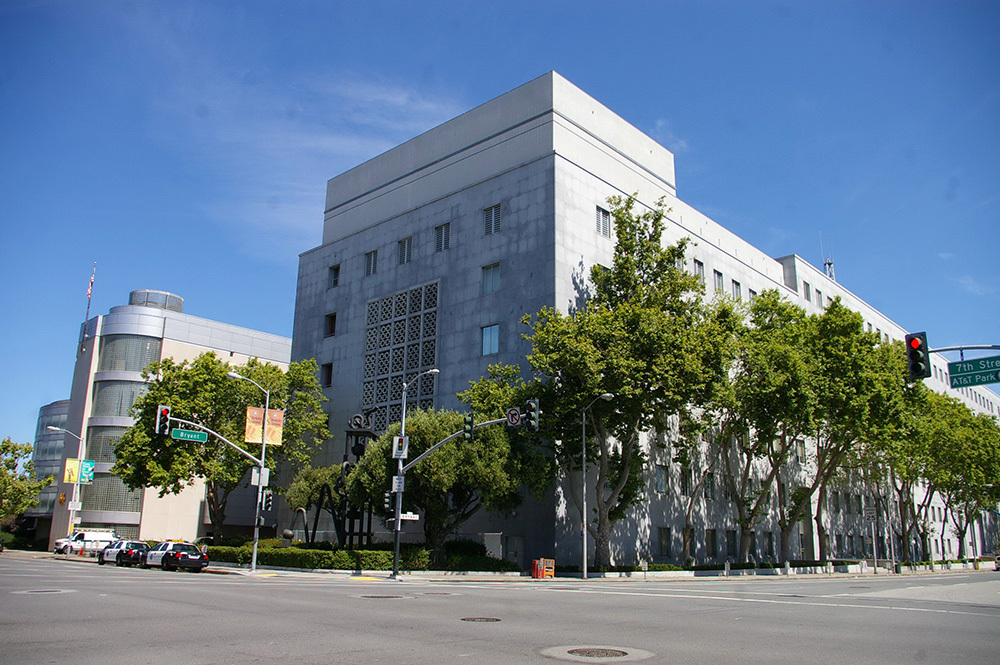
(86, 318)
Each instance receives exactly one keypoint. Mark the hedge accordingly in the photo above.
(411, 558)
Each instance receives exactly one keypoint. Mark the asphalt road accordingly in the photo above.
(54, 611)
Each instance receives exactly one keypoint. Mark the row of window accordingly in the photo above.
(762, 545)
(719, 281)
(404, 247)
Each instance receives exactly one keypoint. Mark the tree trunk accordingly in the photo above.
(746, 542)
(821, 534)
(602, 539)
(686, 534)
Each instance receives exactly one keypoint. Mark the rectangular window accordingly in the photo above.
(660, 480)
(663, 541)
(800, 451)
(769, 544)
(732, 544)
(699, 270)
(442, 237)
(718, 280)
(807, 291)
(603, 222)
(491, 219)
(330, 325)
(686, 481)
(737, 290)
(333, 277)
(819, 297)
(371, 263)
(405, 247)
(326, 375)
(491, 339)
(711, 544)
(491, 278)
(710, 487)
(752, 294)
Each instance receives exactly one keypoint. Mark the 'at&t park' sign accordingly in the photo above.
(967, 373)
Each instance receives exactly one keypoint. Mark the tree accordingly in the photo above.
(19, 488)
(767, 406)
(646, 337)
(200, 391)
(451, 484)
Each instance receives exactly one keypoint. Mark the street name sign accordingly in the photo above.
(188, 435)
(409, 517)
(977, 372)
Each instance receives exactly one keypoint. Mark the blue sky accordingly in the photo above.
(185, 146)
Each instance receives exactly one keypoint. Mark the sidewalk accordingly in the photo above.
(225, 568)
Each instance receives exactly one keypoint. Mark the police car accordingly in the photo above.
(174, 554)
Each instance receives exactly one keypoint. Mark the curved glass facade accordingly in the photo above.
(101, 442)
(109, 493)
(127, 353)
(158, 299)
(115, 398)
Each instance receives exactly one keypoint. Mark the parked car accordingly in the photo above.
(175, 554)
(123, 552)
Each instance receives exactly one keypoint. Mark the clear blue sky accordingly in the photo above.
(185, 146)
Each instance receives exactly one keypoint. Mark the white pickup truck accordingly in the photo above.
(85, 542)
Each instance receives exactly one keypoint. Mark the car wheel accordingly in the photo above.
(163, 564)
(118, 560)
(100, 559)
(143, 563)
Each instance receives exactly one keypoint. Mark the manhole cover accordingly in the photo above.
(481, 619)
(381, 596)
(598, 653)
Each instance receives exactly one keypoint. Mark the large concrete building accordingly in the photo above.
(107, 380)
(432, 252)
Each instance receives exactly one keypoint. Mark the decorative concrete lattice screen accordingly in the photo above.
(400, 342)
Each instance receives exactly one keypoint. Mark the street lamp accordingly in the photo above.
(260, 474)
(399, 495)
(76, 486)
(607, 397)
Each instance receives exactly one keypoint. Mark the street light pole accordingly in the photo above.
(397, 526)
(260, 471)
(76, 486)
(583, 511)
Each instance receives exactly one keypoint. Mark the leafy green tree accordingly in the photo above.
(966, 464)
(767, 405)
(200, 391)
(451, 484)
(646, 337)
(304, 490)
(19, 488)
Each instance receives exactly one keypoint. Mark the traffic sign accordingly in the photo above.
(188, 435)
(513, 416)
(870, 515)
(409, 517)
(400, 447)
(977, 372)
(397, 483)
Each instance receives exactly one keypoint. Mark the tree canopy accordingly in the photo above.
(19, 488)
(200, 391)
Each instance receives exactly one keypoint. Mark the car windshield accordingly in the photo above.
(188, 548)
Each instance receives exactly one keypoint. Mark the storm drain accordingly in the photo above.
(598, 653)
(380, 597)
(481, 619)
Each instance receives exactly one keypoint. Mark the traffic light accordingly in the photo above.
(268, 499)
(533, 415)
(163, 419)
(387, 502)
(467, 428)
(918, 357)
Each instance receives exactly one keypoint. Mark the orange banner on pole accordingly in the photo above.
(255, 424)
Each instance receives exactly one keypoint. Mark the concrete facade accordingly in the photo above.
(107, 379)
(421, 218)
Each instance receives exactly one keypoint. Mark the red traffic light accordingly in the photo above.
(916, 342)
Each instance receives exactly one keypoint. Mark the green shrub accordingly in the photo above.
(479, 562)
(239, 555)
(293, 557)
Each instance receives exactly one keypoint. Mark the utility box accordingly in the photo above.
(542, 568)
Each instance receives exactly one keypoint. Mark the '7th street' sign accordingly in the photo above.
(966, 373)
